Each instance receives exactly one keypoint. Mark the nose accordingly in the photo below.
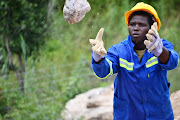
(136, 27)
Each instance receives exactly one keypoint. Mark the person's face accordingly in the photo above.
(138, 28)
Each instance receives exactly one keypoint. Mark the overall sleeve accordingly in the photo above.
(108, 66)
(173, 59)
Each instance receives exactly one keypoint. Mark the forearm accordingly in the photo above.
(102, 69)
(164, 57)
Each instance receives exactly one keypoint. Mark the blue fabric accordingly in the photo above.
(141, 93)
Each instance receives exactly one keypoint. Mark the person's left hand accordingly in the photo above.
(154, 43)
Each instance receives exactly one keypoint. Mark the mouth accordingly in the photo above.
(136, 34)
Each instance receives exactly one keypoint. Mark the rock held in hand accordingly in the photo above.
(74, 10)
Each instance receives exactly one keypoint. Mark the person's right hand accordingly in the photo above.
(98, 44)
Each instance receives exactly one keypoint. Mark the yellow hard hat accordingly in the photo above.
(141, 6)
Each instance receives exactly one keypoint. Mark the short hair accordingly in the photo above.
(151, 18)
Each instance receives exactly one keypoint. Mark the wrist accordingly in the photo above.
(97, 57)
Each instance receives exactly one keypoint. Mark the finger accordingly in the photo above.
(92, 41)
(98, 51)
(151, 32)
(154, 45)
(156, 34)
(147, 43)
(103, 51)
(154, 28)
(155, 25)
(151, 38)
(100, 34)
(96, 47)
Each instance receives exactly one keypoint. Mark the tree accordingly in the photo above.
(23, 26)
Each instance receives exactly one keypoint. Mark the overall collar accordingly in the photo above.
(145, 56)
(130, 42)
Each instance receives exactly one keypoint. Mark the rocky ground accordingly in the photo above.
(96, 104)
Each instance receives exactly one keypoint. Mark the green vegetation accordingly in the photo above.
(60, 67)
(23, 27)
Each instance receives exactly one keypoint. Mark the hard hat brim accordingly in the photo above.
(128, 14)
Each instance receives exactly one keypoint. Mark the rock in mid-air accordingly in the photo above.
(75, 10)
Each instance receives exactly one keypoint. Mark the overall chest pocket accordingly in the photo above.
(120, 109)
(154, 71)
(153, 68)
(152, 64)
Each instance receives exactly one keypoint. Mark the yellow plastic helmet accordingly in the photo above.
(141, 6)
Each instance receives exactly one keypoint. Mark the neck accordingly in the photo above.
(140, 46)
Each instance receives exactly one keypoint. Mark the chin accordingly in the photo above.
(136, 41)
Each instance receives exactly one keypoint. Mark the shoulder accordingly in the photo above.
(120, 45)
(166, 43)
(120, 49)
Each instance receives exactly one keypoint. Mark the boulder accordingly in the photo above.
(97, 104)
(175, 101)
(75, 10)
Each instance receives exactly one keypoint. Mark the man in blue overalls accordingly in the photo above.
(141, 88)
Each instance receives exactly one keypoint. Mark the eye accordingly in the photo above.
(142, 24)
(131, 24)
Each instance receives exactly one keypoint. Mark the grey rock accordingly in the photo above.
(74, 10)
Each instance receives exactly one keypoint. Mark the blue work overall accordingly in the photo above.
(141, 88)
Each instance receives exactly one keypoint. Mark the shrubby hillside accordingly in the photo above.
(45, 61)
